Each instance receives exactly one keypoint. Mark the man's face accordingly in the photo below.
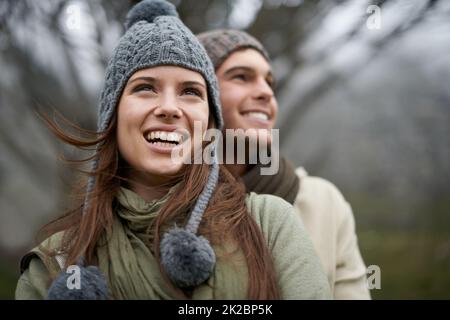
(245, 81)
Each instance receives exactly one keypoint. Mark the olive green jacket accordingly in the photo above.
(299, 272)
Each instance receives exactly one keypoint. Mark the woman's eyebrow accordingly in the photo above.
(193, 83)
(148, 79)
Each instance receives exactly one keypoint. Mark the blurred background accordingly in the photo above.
(363, 89)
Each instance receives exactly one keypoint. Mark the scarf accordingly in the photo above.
(284, 184)
(124, 256)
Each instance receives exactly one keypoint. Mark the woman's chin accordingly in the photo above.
(163, 169)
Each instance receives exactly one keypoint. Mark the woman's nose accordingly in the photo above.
(167, 108)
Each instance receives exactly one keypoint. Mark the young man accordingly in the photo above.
(248, 102)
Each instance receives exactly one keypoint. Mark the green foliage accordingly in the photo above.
(414, 265)
(8, 281)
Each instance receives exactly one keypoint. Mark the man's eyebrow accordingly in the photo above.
(245, 68)
(148, 79)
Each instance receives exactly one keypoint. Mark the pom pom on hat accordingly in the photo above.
(92, 285)
(187, 258)
(148, 10)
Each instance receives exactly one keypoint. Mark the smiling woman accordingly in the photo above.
(151, 228)
(158, 107)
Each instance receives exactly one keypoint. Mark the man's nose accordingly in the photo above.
(263, 91)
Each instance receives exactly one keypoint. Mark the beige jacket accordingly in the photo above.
(329, 221)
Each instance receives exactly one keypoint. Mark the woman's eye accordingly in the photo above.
(192, 92)
(144, 87)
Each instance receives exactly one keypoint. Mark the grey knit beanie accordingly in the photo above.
(220, 44)
(156, 36)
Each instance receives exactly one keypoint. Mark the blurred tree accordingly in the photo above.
(365, 108)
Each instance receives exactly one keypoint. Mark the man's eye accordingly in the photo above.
(144, 87)
(242, 77)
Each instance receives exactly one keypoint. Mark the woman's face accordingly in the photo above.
(245, 81)
(156, 105)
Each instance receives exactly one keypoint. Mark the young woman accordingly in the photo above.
(248, 102)
(150, 227)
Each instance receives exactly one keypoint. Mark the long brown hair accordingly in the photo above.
(226, 217)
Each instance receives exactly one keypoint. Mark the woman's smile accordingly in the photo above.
(164, 138)
(156, 116)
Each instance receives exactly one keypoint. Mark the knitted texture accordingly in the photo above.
(154, 41)
(220, 44)
(155, 36)
(189, 259)
(165, 41)
(203, 199)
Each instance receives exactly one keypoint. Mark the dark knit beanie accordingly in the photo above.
(155, 36)
(220, 44)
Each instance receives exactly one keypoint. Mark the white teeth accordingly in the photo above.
(163, 144)
(166, 136)
(257, 115)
